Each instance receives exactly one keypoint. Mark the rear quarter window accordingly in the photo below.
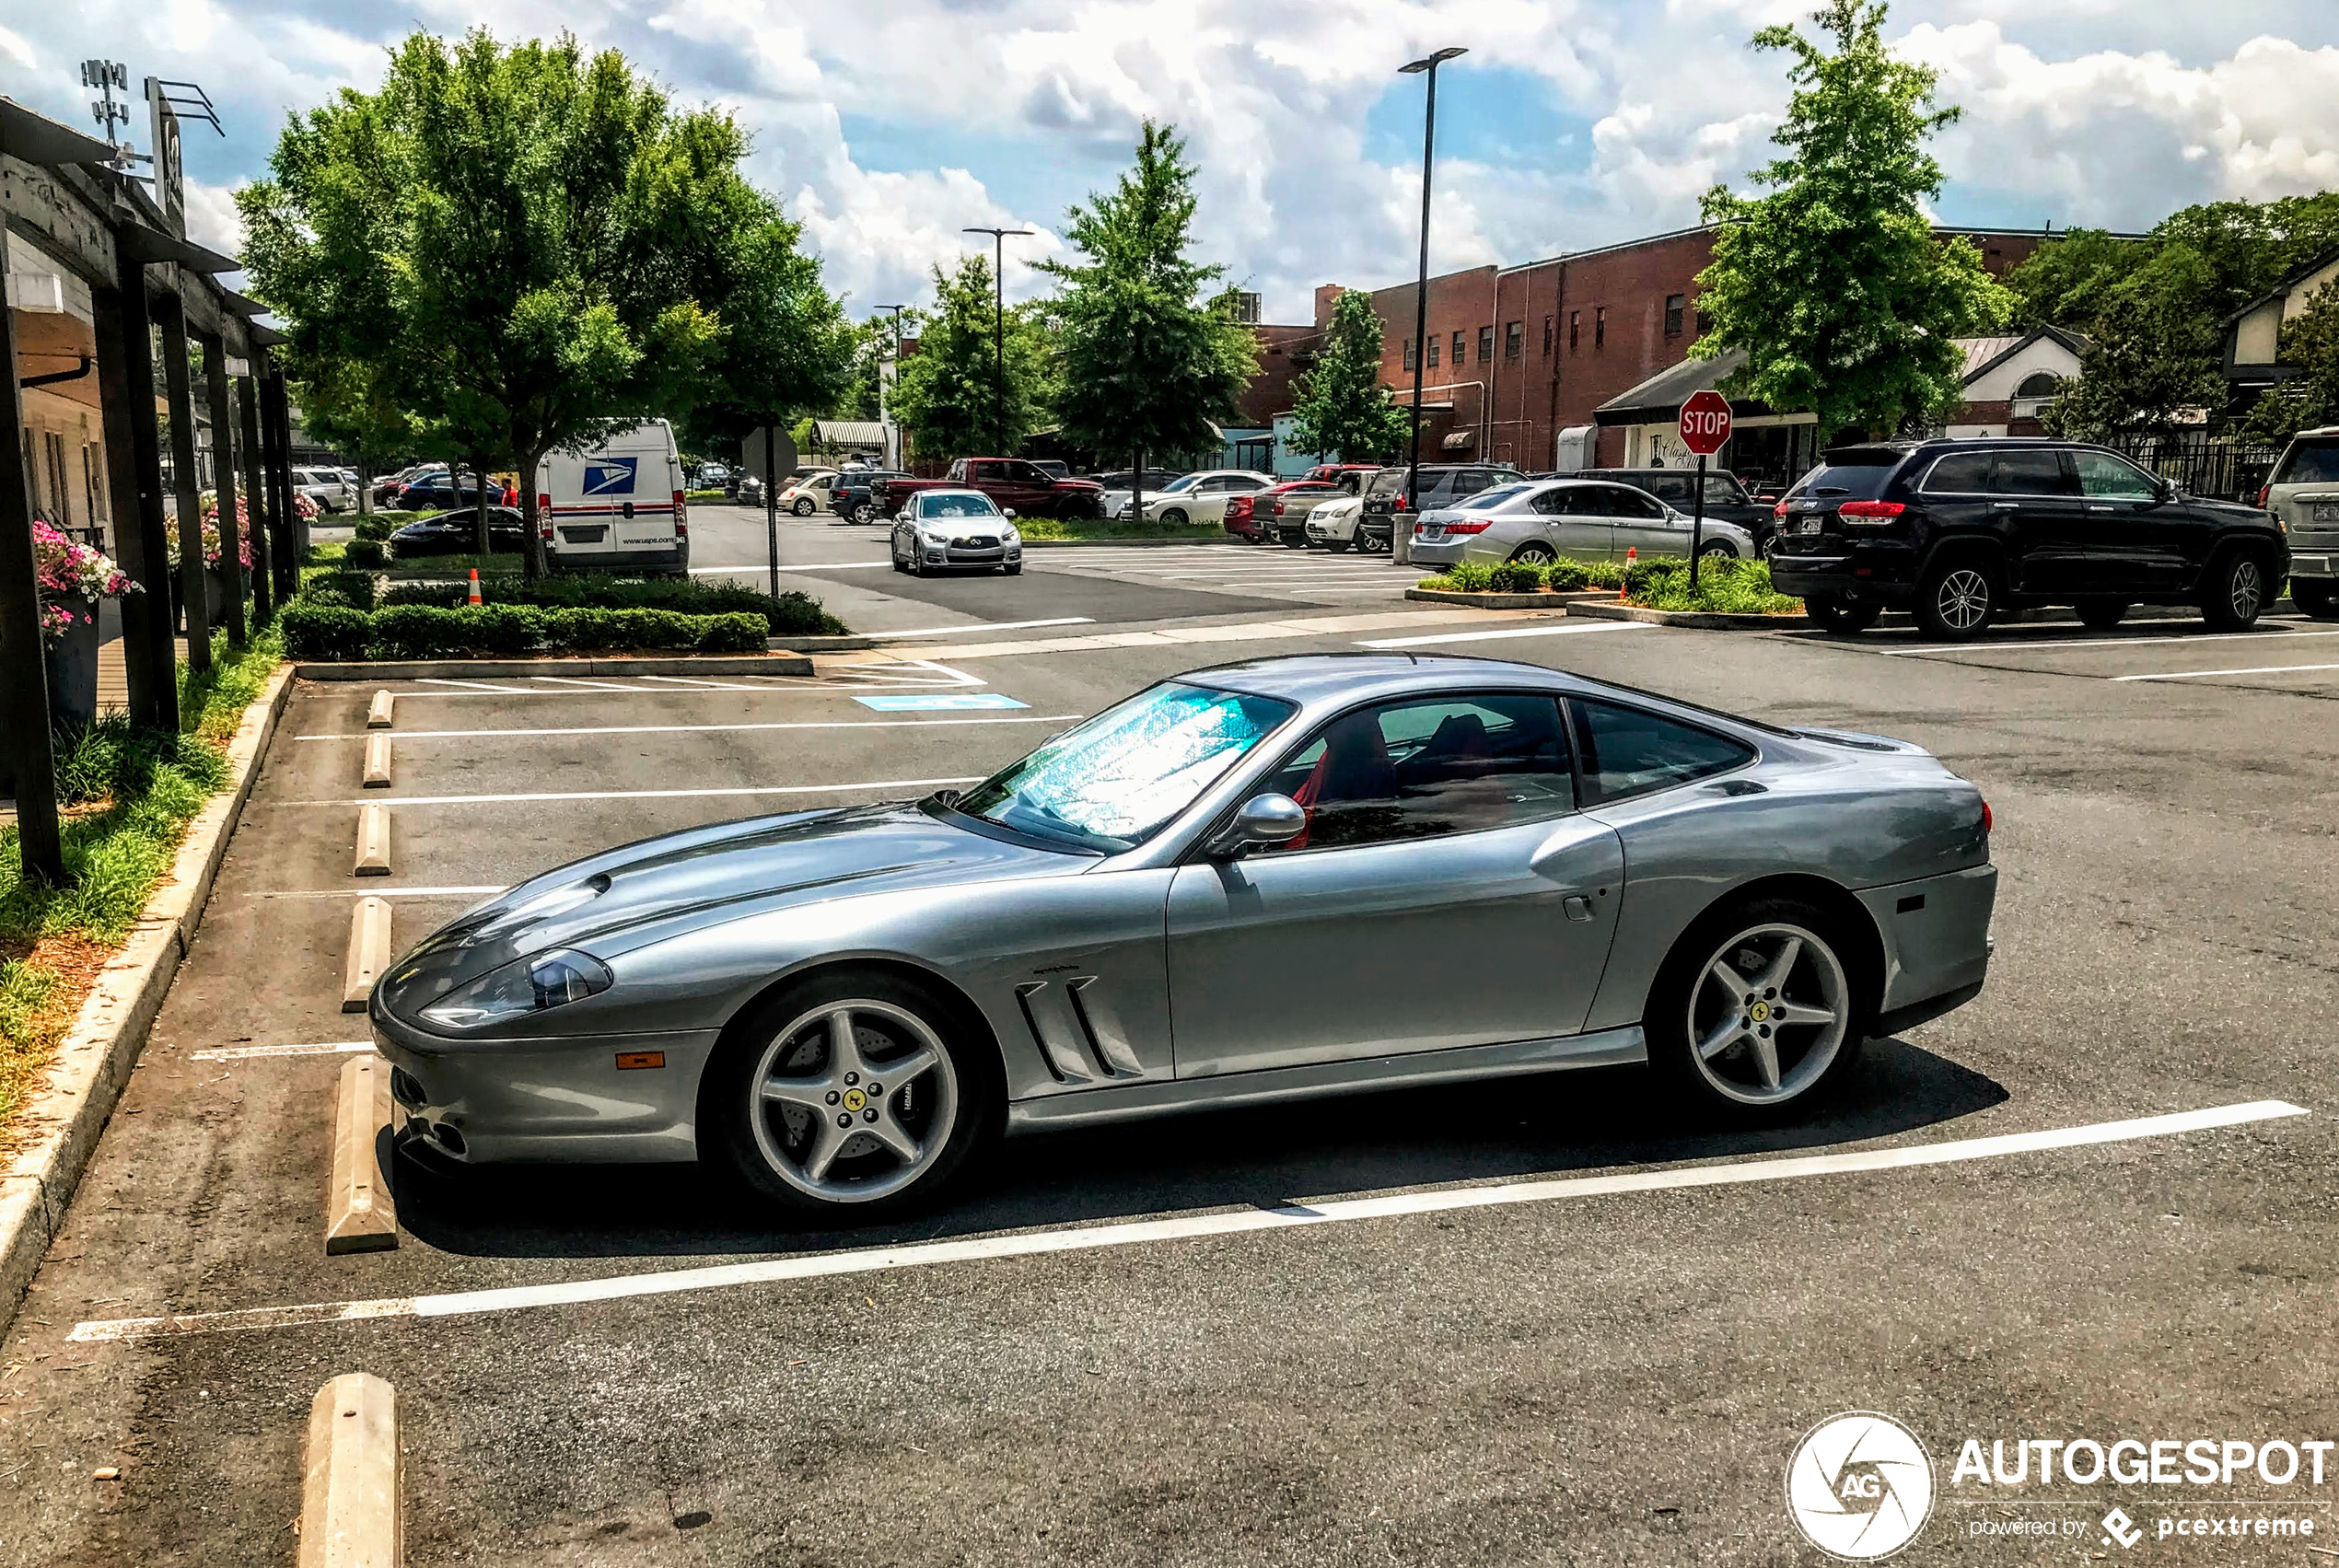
(1629, 752)
(2314, 461)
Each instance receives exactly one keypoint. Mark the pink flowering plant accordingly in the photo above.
(73, 576)
(211, 546)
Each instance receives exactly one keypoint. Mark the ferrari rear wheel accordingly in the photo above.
(1757, 1011)
(848, 1096)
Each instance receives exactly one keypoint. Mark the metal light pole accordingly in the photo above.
(892, 438)
(998, 328)
(1429, 65)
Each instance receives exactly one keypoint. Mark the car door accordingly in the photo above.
(2137, 543)
(1641, 523)
(1575, 520)
(1446, 892)
(2049, 542)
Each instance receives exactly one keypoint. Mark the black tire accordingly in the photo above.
(965, 1088)
(2102, 613)
(2317, 598)
(1291, 541)
(1833, 615)
(1682, 995)
(1956, 600)
(803, 507)
(1534, 554)
(1013, 569)
(2234, 591)
(1175, 516)
(894, 556)
(1337, 546)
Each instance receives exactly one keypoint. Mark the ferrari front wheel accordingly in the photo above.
(851, 1096)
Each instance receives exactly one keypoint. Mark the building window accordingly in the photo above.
(1409, 354)
(1485, 345)
(1575, 330)
(1458, 358)
(1514, 339)
(1433, 354)
(1547, 337)
(1673, 312)
(1600, 326)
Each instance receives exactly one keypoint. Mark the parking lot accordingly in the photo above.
(1472, 1372)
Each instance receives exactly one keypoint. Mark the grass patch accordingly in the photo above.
(1563, 575)
(1093, 531)
(129, 794)
(1725, 588)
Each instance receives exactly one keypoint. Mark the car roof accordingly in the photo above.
(948, 490)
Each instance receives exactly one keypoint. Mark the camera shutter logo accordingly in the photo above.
(1860, 1486)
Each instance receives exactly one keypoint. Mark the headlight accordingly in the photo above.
(528, 986)
(1009, 534)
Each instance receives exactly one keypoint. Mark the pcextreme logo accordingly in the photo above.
(1859, 1486)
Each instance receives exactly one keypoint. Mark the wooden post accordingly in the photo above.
(134, 476)
(193, 598)
(288, 541)
(223, 474)
(24, 668)
(263, 596)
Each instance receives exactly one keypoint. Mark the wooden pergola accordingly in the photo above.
(61, 195)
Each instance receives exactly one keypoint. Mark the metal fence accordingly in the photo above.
(2203, 462)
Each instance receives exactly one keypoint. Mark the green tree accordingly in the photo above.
(1151, 364)
(512, 251)
(1833, 284)
(1340, 405)
(948, 395)
(2152, 351)
(2310, 343)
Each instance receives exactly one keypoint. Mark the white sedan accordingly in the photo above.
(1200, 497)
(1338, 527)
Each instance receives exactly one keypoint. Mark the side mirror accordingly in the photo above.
(1263, 821)
(2164, 491)
(1008, 512)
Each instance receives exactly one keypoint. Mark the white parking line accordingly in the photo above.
(588, 685)
(1286, 1217)
(405, 735)
(2261, 669)
(1571, 627)
(249, 1052)
(465, 685)
(639, 795)
(989, 626)
(2102, 642)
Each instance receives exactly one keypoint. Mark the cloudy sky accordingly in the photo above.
(886, 126)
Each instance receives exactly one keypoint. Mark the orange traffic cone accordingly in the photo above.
(475, 599)
(1631, 553)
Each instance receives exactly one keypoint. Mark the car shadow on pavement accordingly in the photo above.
(1552, 1125)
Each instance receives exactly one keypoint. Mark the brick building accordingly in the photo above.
(1516, 357)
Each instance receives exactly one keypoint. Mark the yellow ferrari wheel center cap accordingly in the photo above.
(1761, 1010)
(855, 1099)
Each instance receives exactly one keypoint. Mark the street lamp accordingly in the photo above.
(893, 456)
(998, 328)
(1429, 63)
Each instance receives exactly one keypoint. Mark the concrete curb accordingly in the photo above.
(350, 1509)
(473, 668)
(1704, 621)
(1219, 537)
(835, 644)
(95, 1059)
(361, 1212)
(1539, 600)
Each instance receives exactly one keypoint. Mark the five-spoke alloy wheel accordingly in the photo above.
(1758, 1009)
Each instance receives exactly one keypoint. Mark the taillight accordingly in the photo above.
(1779, 510)
(1401, 503)
(1467, 527)
(1239, 509)
(1871, 508)
(681, 515)
(1986, 817)
(1278, 508)
(2263, 491)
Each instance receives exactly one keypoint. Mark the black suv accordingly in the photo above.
(852, 500)
(1725, 497)
(1442, 485)
(1962, 530)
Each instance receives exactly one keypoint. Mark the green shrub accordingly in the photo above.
(332, 634)
(374, 529)
(1470, 576)
(361, 552)
(114, 759)
(734, 633)
(1516, 577)
(417, 631)
(355, 589)
(446, 596)
(1565, 576)
(791, 614)
(1724, 587)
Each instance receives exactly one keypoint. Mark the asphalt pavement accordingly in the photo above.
(1614, 1377)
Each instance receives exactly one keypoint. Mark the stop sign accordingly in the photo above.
(1705, 422)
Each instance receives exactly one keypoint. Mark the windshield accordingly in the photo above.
(1848, 480)
(957, 506)
(1114, 781)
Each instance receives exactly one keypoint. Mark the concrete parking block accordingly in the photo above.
(368, 953)
(378, 761)
(361, 1214)
(373, 842)
(382, 713)
(349, 1513)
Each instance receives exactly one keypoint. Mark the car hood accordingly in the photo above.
(662, 887)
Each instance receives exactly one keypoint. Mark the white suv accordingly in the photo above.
(2303, 495)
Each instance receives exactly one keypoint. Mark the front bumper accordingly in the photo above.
(970, 557)
(483, 1101)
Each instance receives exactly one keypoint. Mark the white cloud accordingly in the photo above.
(211, 217)
(14, 46)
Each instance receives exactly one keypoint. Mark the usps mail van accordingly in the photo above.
(618, 507)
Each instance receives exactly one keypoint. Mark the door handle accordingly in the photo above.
(2005, 506)
(2092, 507)
(1578, 906)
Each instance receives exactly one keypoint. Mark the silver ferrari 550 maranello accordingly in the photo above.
(1265, 881)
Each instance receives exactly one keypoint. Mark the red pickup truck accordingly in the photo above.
(1025, 488)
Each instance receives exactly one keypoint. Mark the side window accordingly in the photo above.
(958, 471)
(1623, 503)
(1959, 473)
(1550, 502)
(1589, 501)
(1674, 487)
(1721, 490)
(1425, 768)
(2032, 473)
(2101, 474)
(1628, 752)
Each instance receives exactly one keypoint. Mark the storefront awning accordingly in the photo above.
(1658, 400)
(1459, 440)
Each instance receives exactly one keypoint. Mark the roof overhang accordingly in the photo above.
(142, 244)
(34, 137)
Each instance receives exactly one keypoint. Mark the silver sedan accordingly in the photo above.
(1262, 882)
(1541, 520)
